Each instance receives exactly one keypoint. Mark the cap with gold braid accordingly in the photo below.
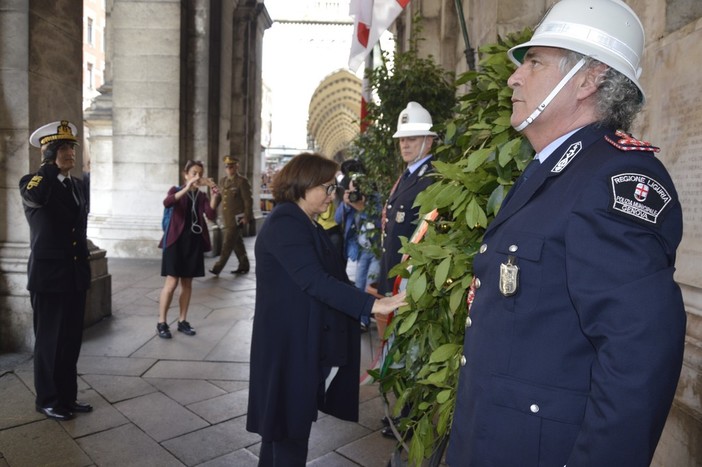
(230, 160)
(54, 131)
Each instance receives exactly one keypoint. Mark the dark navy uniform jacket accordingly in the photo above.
(59, 259)
(401, 221)
(579, 366)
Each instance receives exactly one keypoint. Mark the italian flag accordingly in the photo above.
(371, 19)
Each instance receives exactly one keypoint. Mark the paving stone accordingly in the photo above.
(328, 433)
(235, 345)
(41, 443)
(17, 402)
(222, 408)
(118, 336)
(119, 388)
(230, 386)
(160, 417)
(370, 413)
(331, 459)
(183, 347)
(188, 391)
(199, 370)
(212, 442)
(103, 417)
(240, 458)
(126, 446)
(101, 365)
(373, 450)
(10, 361)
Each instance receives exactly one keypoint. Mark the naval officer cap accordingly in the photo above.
(54, 131)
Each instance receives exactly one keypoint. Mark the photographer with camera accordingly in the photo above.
(359, 216)
(185, 242)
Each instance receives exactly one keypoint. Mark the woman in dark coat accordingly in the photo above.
(305, 349)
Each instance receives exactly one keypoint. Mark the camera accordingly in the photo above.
(357, 179)
(352, 170)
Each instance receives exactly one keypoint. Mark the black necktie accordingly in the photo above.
(69, 184)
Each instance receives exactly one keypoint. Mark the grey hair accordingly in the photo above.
(618, 99)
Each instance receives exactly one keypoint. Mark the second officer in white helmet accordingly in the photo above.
(399, 217)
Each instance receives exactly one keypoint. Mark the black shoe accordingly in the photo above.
(388, 433)
(163, 330)
(185, 328)
(55, 413)
(240, 271)
(81, 407)
(364, 328)
(212, 271)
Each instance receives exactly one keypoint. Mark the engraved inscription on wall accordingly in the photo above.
(674, 122)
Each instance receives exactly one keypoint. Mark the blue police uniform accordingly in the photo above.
(574, 357)
(400, 220)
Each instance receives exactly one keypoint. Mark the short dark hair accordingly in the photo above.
(304, 171)
(190, 163)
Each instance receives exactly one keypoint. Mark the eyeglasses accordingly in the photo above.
(330, 188)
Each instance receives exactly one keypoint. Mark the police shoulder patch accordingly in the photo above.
(626, 142)
(639, 196)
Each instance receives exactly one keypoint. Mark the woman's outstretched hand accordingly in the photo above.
(387, 305)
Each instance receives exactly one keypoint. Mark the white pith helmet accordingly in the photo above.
(606, 30)
(414, 120)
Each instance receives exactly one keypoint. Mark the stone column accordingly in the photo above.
(249, 26)
(133, 172)
(40, 81)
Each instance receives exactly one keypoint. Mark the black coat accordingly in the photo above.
(306, 319)
(59, 259)
(400, 220)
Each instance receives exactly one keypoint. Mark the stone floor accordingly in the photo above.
(170, 402)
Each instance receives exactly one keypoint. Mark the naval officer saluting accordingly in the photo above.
(58, 269)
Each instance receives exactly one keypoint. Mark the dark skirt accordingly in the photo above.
(186, 257)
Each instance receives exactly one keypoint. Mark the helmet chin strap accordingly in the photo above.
(550, 97)
(420, 154)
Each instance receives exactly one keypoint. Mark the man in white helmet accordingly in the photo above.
(399, 217)
(574, 339)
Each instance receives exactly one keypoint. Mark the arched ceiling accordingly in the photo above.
(334, 114)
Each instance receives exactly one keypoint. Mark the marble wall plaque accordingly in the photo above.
(674, 122)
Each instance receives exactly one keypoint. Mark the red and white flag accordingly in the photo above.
(371, 19)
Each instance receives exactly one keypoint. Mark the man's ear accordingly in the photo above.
(594, 76)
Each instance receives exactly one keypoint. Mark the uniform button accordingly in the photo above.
(389, 206)
(534, 408)
(463, 360)
(469, 322)
(483, 248)
(477, 283)
(75, 258)
(513, 248)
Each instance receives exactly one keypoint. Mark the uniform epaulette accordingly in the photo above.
(626, 142)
